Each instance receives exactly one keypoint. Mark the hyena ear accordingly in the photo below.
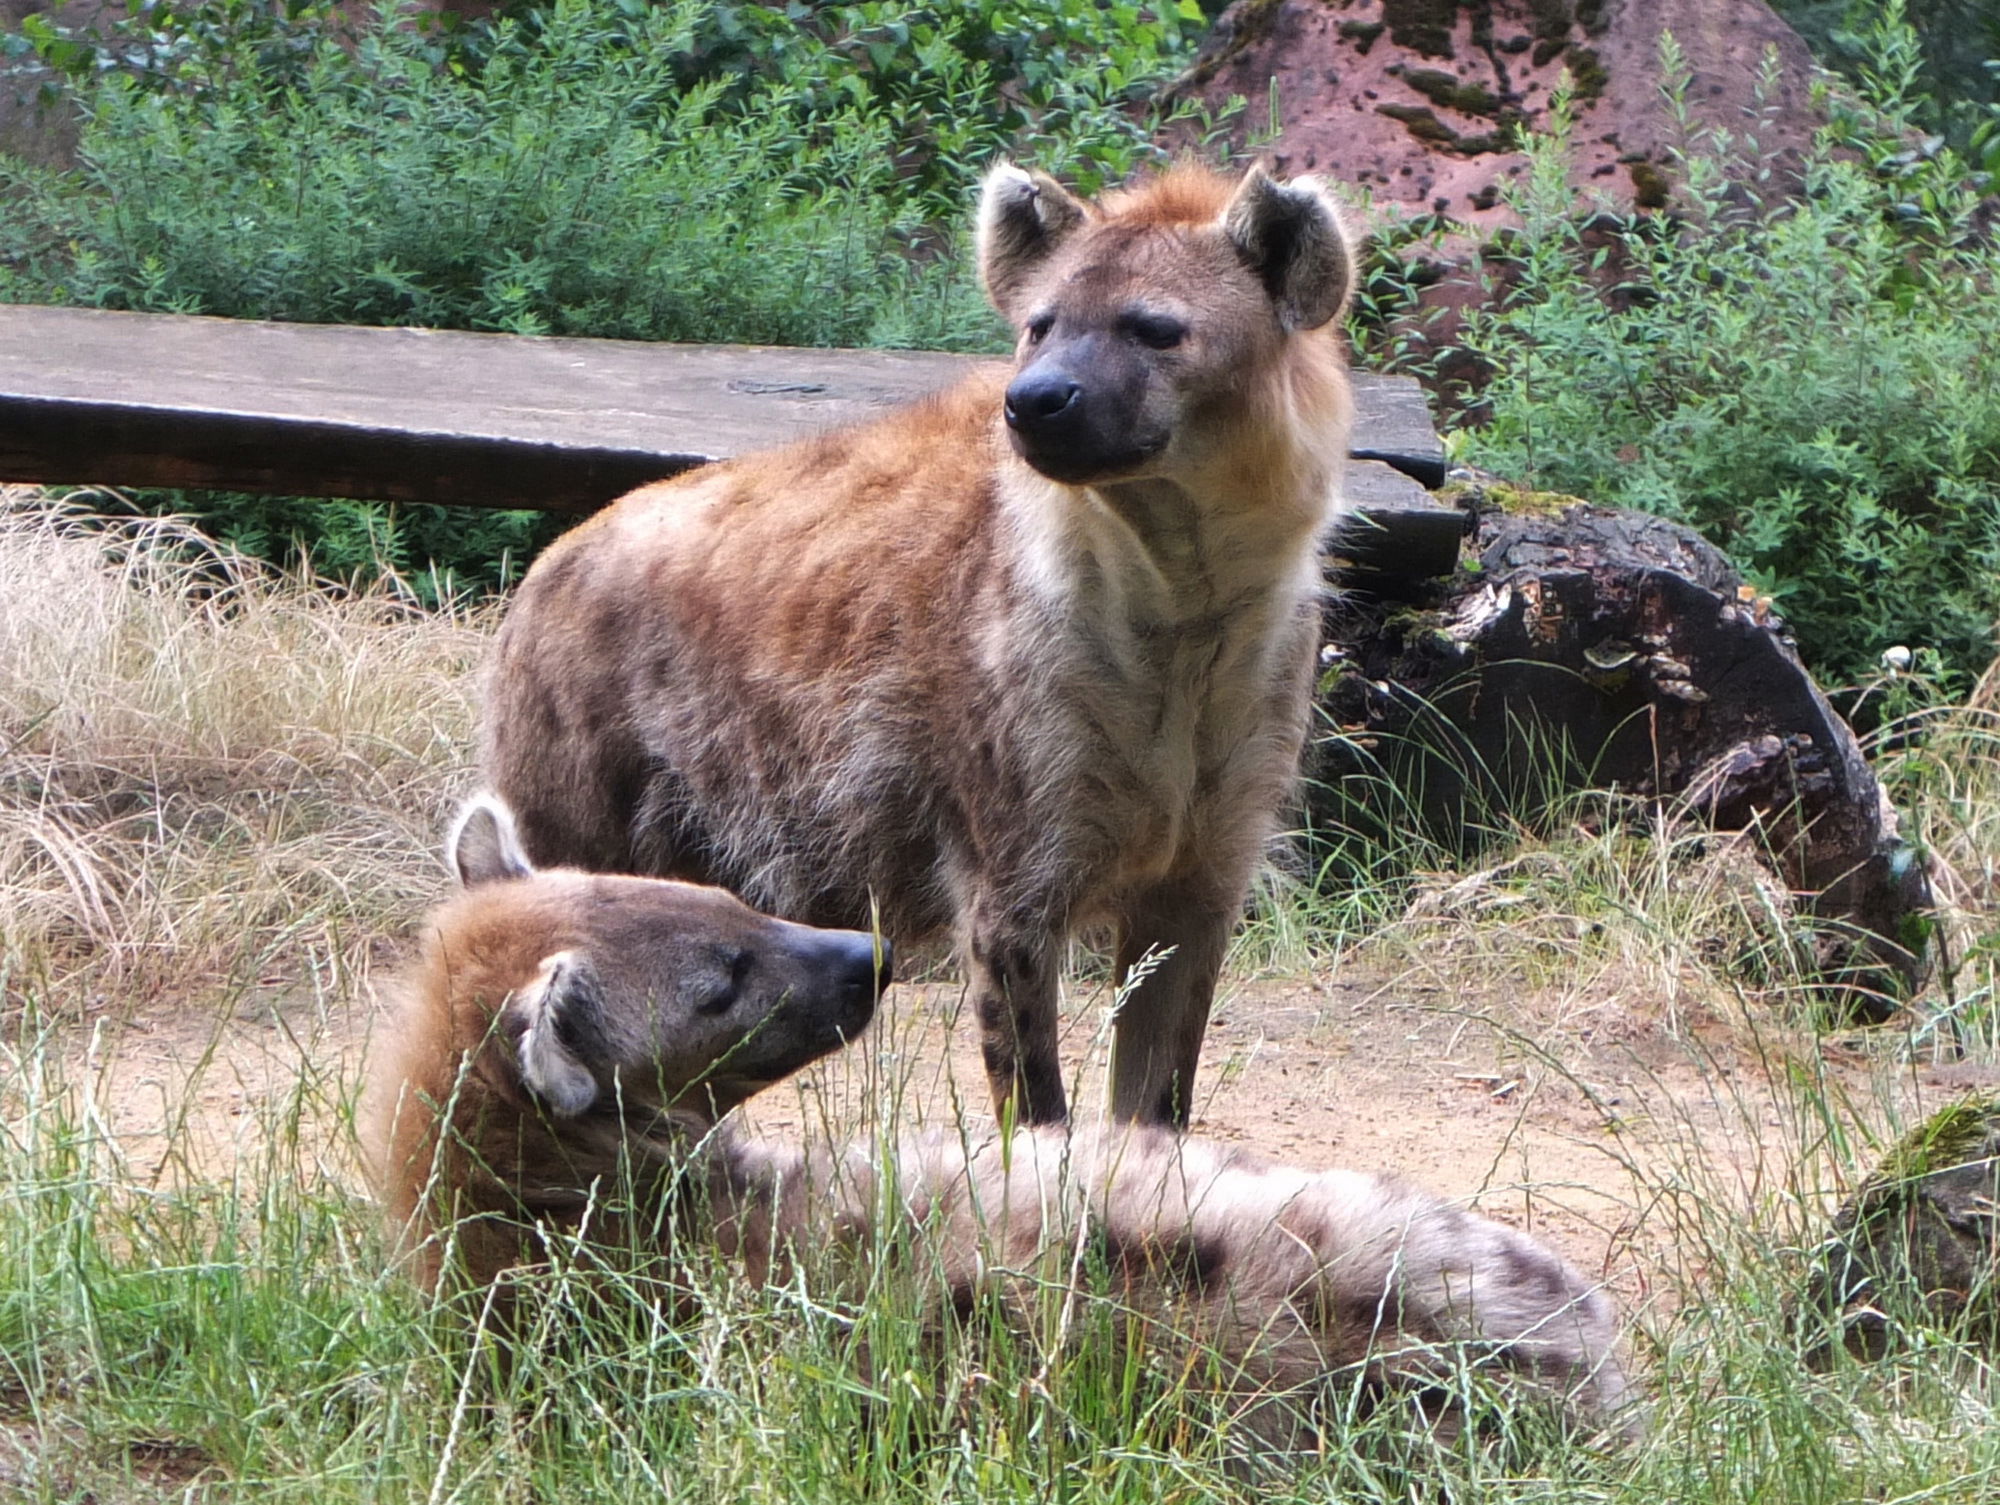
(483, 846)
(558, 1010)
(1292, 236)
(1023, 217)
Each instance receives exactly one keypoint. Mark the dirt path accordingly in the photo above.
(1602, 1125)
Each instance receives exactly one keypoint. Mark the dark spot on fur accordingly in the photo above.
(1531, 1271)
(1359, 1313)
(996, 1055)
(1185, 1262)
(1210, 1260)
(1556, 1369)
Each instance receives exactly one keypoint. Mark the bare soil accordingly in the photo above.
(1611, 1126)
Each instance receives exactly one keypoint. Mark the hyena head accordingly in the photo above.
(1154, 323)
(645, 991)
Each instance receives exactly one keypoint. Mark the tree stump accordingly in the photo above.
(1918, 1245)
(1579, 647)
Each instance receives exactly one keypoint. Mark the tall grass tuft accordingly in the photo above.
(205, 763)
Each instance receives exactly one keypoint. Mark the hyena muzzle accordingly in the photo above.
(1033, 654)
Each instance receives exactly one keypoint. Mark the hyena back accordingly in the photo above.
(1032, 654)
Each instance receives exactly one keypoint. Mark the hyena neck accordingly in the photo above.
(1214, 544)
(1160, 554)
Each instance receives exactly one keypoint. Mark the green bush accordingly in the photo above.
(701, 171)
(1813, 382)
(570, 187)
(1953, 40)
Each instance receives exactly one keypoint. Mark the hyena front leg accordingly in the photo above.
(1011, 969)
(1156, 1041)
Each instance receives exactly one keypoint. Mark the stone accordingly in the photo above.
(1429, 96)
(1915, 1246)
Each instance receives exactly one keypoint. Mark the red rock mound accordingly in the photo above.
(1420, 101)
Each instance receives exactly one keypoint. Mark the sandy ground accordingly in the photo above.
(1603, 1123)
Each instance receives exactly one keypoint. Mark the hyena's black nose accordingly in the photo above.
(1039, 399)
(859, 967)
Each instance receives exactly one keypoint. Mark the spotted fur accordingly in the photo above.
(1300, 1282)
(1032, 654)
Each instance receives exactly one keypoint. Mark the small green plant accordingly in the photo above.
(1808, 380)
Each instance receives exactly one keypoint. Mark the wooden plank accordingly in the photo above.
(89, 396)
(1392, 424)
(1398, 535)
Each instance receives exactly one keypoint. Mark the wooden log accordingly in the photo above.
(1398, 536)
(1585, 648)
(415, 415)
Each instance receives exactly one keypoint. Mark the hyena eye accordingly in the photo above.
(1157, 331)
(722, 987)
(1039, 327)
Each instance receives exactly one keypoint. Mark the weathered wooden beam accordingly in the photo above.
(1397, 536)
(88, 396)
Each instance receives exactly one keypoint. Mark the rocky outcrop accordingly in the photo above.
(1917, 1247)
(1422, 101)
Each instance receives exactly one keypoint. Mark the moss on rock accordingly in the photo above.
(1515, 501)
(1587, 72)
(1421, 121)
(1651, 187)
(1362, 34)
(1445, 89)
(1916, 1245)
(1423, 26)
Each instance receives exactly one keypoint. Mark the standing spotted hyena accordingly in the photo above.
(1031, 654)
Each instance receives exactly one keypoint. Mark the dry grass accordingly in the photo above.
(203, 762)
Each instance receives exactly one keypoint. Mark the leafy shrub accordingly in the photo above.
(1951, 41)
(569, 186)
(1813, 383)
(701, 171)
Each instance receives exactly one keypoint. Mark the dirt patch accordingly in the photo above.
(1608, 1125)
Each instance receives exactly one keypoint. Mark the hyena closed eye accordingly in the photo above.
(1032, 654)
(564, 1033)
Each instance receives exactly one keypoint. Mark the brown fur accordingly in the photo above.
(559, 1026)
(1000, 677)
(1291, 1276)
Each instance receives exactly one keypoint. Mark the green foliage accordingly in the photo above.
(698, 171)
(434, 553)
(1950, 41)
(1052, 80)
(568, 185)
(1810, 381)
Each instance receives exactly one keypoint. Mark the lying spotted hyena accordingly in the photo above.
(1031, 654)
(566, 1034)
